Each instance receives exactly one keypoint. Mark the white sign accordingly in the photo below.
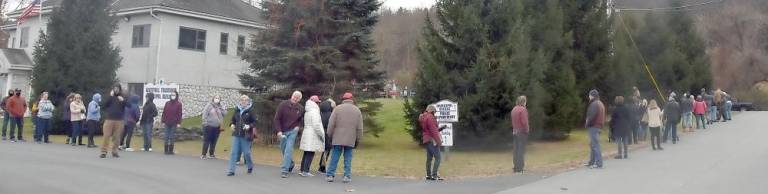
(162, 93)
(446, 135)
(447, 111)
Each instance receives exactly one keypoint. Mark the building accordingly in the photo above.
(193, 43)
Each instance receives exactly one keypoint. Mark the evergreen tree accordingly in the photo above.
(76, 54)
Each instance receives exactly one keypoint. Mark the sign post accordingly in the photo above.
(162, 93)
(447, 114)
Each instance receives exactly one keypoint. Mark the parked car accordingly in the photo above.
(743, 106)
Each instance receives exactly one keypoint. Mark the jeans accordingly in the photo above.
(6, 119)
(77, 131)
(655, 137)
(621, 143)
(170, 134)
(712, 113)
(210, 138)
(670, 130)
(17, 123)
(703, 123)
(520, 141)
(632, 133)
(728, 107)
(127, 135)
(642, 131)
(433, 152)
(335, 154)
(92, 126)
(286, 146)
(687, 120)
(148, 127)
(240, 145)
(306, 160)
(595, 155)
(43, 127)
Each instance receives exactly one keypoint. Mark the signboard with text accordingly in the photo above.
(447, 111)
(446, 135)
(162, 93)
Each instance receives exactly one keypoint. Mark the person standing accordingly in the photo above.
(92, 118)
(6, 113)
(654, 123)
(594, 122)
(700, 109)
(17, 106)
(346, 131)
(326, 108)
(671, 119)
(287, 120)
(711, 108)
(643, 130)
(67, 117)
(520, 131)
(313, 135)
(621, 124)
(77, 116)
(430, 137)
(243, 133)
(686, 107)
(728, 106)
(132, 114)
(635, 115)
(213, 117)
(114, 109)
(44, 114)
(172, 120)
(147, 120)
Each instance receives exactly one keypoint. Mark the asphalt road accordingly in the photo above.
(729, 157)
(55, 168)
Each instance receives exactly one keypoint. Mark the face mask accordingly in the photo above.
(216, 100)
(18, 94)
(173, 97)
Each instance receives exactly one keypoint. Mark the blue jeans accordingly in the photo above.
(712, 113)
(77, 131)
(687, 120)
(595, 155)
(170, 134)
(42, 127)
(286, 146)
(240, 145)
(670, 130)
(147, 135)
(728, 107)
(6, 119)
(127, 134)
(17, 123)
(700, 118)
(622, 142)
(335, 154)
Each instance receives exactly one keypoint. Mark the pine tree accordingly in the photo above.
(76, 54)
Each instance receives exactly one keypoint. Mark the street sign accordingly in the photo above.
(447, 111)
(446, 135)
(162, 93)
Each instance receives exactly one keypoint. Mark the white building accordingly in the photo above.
(193, 43)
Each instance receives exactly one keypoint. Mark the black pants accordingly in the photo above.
(433, 152)
(125, 141)
(520, 140)
(656, 137)
(92, 127)
(306, 161)
(210, 137)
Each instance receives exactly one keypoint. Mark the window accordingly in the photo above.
(224, 43)
(240, 45)
(24, 41)
(141, 36)
(193, 39)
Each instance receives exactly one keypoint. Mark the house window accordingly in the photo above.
(240, 45)
(24, 41)
(224, 43)
(192, 39)
(141, 36)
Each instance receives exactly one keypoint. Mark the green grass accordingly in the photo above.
(395, 154)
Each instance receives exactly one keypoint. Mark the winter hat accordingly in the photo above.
(594, 93)
(314, 99)
(347, 96)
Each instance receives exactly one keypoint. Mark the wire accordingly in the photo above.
(678, 8)
(642, 58)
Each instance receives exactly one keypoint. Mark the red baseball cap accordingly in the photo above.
(347, 96)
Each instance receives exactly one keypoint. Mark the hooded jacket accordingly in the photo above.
(621, 121)
(132, 111)
(94, 109)
(172, 111)
(150, 110)
(113, 108)
(244, 121)
(213, 115)
(313, 136)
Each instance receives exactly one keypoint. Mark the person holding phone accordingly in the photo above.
(430, 137)
(243, 124)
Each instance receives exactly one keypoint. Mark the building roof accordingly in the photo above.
(17, 56)
(236, 9)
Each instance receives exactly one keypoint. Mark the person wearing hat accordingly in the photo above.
(114, 112)
(346, 130)
(430, 137)
(287, 120)
(313, 135)
(594, 122)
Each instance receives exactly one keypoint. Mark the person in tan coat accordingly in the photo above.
(345, 129)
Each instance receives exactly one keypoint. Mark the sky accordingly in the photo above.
(11, 5)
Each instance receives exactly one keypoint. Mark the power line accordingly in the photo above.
(642, 58)
(677, 8)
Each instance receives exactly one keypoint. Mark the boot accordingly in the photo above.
(166, 148)
(170, 150)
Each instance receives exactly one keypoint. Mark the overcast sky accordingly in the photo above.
(12, 4)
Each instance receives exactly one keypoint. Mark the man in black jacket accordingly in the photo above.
(114, 109)
(671, 118)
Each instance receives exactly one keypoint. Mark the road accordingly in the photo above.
(726, 158)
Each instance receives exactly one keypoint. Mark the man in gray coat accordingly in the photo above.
(345, 128)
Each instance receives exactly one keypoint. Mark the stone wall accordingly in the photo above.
(194, 98)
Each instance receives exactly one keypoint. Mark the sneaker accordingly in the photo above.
(284, 175)
(250, 170)
(661, 148)
(47, 142)
(346, 179)
(595, 167)
(120, 148)
(115, 155)
(74, 144)
(309, 174)
(430, 178)
(617, 157)
(230, 174)
(13, 141)
(302, 174)
(103, 156)
(438, 178)
(212, 157)
(329, 179)
(150, 150)
(202, 157)
(143, 150)
(91, 146)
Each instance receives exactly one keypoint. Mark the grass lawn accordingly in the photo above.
(395, 154)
